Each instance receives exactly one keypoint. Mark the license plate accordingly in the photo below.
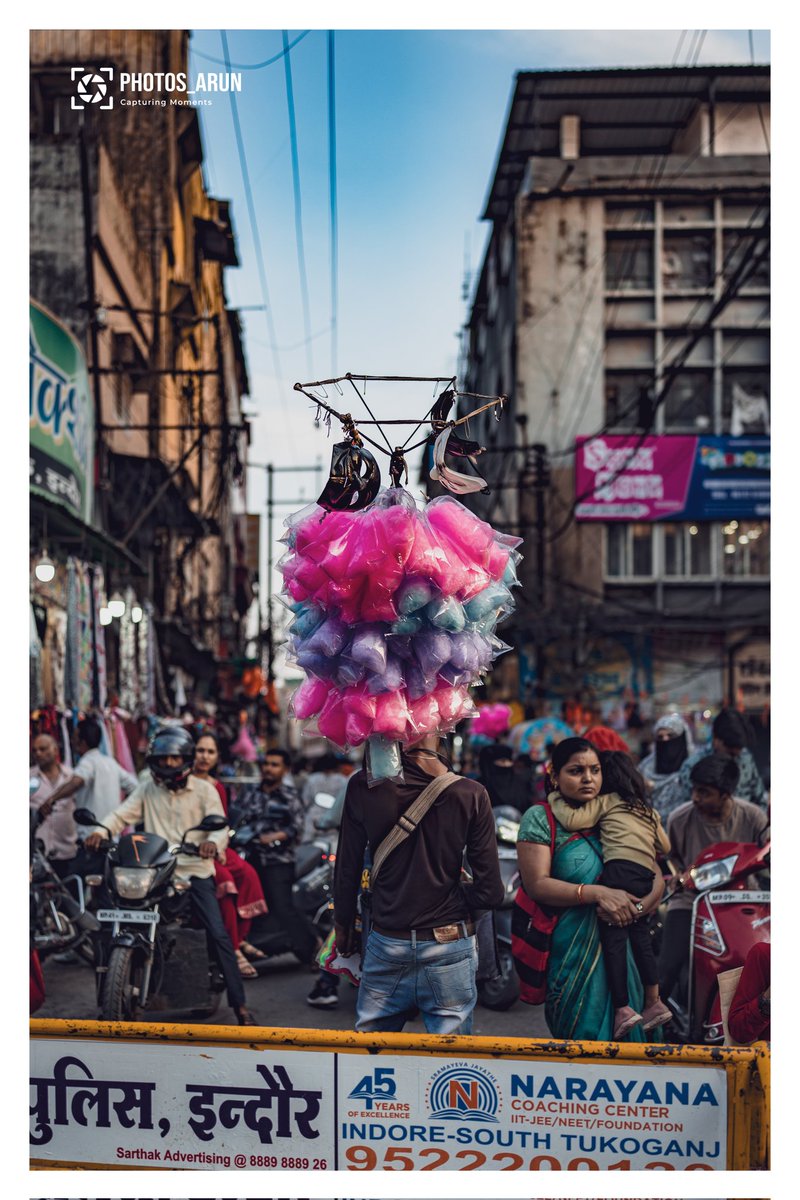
(738, 897)
(126, 915)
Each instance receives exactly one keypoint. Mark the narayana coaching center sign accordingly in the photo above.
(97, 1102)
(672, 478)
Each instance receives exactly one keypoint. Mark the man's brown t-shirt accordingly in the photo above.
(419, 884)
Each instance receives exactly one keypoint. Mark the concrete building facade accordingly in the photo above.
(129, 251)
(625, 291)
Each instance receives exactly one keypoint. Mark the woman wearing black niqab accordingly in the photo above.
(501, 780)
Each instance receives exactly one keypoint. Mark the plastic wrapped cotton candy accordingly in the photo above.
(492, 721)
(369, 647)
(309, 698)
(395, 609)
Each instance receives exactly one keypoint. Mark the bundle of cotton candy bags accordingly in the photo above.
(395, 610)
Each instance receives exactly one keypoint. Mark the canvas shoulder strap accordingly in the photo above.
(410, 819)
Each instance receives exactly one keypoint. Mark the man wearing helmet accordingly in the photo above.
(168, 804)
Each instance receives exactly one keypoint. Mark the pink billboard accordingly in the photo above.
(670, 477)
(619, 479)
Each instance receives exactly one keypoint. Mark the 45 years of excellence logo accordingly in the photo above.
(464, 1092)
(92, 87)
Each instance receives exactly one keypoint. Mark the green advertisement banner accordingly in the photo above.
(61, 416)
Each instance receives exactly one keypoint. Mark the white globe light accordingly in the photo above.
(116, 605)
(45, 569)
(105, 616)
(136, 614)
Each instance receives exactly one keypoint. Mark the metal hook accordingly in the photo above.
(336, 385)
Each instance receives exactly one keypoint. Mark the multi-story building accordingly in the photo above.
(625, 291)
(128, 251)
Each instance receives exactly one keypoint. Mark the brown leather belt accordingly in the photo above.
(453, 932)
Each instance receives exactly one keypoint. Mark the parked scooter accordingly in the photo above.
(321, 819)
(728, 917)
(147, 959)
(500, 993)
(312, 890)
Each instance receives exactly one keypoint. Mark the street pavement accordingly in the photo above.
(278, 998)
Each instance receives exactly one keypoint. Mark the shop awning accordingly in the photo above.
(67, 531)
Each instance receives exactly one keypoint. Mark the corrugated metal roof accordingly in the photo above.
(623, 111)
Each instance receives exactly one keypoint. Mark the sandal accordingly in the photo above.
(246, 969)
(251, 951)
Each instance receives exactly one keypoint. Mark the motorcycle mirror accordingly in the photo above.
(84, 816)
(34, 784)
(211, 823)
(324, 800)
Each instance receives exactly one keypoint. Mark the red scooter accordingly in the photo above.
(728, 917)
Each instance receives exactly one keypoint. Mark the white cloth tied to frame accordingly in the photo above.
(454, 481)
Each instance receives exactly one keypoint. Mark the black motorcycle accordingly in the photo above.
(148, 958)
(312, 890)
(500, 993)
(59, 919)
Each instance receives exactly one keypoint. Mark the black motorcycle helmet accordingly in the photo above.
(354, 479)
(171, 740)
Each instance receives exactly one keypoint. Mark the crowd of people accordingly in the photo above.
(595, 829)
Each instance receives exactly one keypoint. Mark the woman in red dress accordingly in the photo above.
(239, 891)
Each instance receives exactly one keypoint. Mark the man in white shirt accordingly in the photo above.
(56, 829)
(98, 779)
(169, 804)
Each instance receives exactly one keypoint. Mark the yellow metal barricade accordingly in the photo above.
(746, 1068)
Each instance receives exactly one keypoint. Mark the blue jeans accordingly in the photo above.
(399, 976)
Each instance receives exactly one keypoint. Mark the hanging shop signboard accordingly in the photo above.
(61, 416)
(188, 1097)
(672, 478)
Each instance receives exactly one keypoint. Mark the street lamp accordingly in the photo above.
(45, 568)
(116, 605)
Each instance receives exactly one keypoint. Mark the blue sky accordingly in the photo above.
(419, 116)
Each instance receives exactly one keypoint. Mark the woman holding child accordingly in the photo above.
(579, 1002)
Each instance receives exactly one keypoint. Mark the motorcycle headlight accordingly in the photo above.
(713, 874)
(133, 883)
(507, 831)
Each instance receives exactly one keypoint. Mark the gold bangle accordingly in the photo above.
(580, 892)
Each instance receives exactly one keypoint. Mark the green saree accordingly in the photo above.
(578, 1003)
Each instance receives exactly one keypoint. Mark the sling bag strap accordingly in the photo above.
(408, 822)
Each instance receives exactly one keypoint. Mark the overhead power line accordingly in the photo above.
(262, 274)
(252, 66)
(298, 208)
(334, 217)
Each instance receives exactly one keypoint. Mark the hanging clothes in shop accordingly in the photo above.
(66, 744)
(85, 640)
(97, 584)
(147, 666)
(72, 655)
(54, 659)
(119, 739)
(106, 747)
(128, 674)
(35, 661)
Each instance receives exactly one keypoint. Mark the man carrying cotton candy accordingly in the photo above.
(421, 951)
